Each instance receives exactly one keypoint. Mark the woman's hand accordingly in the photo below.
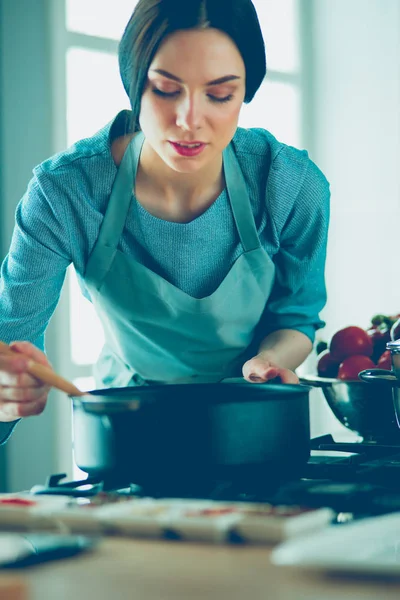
(21, 394)
(260, 369)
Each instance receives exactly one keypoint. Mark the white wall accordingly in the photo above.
(356, 142)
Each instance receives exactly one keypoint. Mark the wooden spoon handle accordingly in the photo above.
(45, 374)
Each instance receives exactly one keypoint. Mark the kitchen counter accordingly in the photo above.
(167, 570)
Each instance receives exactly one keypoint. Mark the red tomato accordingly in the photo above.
(352, 365)
(385, 361)
(350, 341)
(326, 365)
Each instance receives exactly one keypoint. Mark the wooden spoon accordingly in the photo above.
(45, 374)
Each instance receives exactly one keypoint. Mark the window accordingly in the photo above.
(94, 91)
(272, 99)
(103, 20)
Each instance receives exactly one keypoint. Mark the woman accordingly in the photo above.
(201, 245)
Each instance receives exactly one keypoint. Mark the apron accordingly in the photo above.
(155, 332)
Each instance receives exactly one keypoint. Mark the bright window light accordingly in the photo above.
(279, 24)
(87, 337)
(99, 18)
(275, 107)
(94, 92)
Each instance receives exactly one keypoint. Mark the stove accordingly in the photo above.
(357, 478)
(362, 478)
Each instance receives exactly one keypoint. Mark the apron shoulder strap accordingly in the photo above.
(121, 195)
(116, 213)
(240, 201)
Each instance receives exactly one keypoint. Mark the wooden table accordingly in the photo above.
(129, 569)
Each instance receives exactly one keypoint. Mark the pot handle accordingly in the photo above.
(383, 376)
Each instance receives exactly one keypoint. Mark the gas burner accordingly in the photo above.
(55, 486)
(94, 487)
(82, 488)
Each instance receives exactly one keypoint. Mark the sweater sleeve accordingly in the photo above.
(299, 292)
(32, 274)
(6, 430)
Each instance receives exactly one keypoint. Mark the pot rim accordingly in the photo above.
(134, 397)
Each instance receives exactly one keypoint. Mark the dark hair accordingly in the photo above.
(153, 20)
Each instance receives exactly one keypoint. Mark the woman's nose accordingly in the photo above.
(189, 113)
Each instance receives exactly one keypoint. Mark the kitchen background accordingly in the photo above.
(333, 87)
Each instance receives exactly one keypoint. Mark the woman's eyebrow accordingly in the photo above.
(218, 81)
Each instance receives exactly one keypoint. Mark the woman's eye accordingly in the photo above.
(220, 100)
(217, 99)
(165, 94)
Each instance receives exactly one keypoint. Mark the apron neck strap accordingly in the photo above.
(240, 201)
(121, 195)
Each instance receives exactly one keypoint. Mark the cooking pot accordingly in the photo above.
(184, 438)
(387, 378)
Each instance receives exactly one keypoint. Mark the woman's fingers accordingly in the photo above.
(13, 372)
(17, 402)
(10, 411)
(13, 364)
(258, 370)
(29, 350)
(13, 367)
(18, 380)
(21, 394)
(262, 375)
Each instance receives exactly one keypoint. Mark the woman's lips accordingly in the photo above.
(186, 149)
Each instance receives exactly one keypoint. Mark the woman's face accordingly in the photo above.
(191, 103)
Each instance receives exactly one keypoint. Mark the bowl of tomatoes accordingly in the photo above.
(365, 408)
